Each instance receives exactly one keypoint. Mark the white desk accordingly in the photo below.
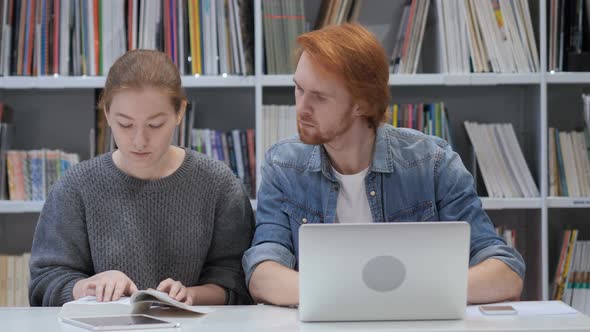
(270, 318)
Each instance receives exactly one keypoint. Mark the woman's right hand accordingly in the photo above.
(106, 286)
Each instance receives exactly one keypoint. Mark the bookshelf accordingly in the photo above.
(511, 203)
(20, 207)
(567, 78)
(488, 204)
(568, 202)
(431, 79)
(58, 111)
(94, 82)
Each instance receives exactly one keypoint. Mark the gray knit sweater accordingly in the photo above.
(192, 226)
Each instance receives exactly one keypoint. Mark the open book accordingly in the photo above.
(138, 303)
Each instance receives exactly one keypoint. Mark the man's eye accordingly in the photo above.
(320, 98)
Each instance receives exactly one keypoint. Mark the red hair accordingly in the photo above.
(352, 52)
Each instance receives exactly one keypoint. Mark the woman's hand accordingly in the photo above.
(106, 286)
(175, 290)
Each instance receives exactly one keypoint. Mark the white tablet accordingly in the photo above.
(128, 322)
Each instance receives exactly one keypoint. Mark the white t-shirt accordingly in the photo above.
(352, 205)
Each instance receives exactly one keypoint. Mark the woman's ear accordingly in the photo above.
(181, 112)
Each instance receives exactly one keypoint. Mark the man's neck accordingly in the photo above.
(352, 152)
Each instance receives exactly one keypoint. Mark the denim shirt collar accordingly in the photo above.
(382, 158)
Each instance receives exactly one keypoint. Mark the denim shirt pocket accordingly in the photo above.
(423, 211)
(299, 215)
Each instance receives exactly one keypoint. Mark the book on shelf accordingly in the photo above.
(486, 36)
(70, 37)
(236, 148)
(569, 158)
(6, 134)
(5, 138)
(569, 163)
(462, 36)
(571, 282)
(283, 21)
(31, 174)
(138, 303)
(499, 156)
(280, 121)
(14, 280)
(337, 12)
(428, 118)
(406, 52)
(568, 35)
(508, 234)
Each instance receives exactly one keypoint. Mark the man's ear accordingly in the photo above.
(181, 112)
(357, 111)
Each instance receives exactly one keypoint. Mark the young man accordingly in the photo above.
(348, 167)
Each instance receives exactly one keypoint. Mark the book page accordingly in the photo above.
(142, 299)
(139, 302)
(89, 307)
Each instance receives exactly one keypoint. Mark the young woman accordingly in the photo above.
(148, 215)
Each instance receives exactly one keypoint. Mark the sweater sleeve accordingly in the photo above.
(233, 229)
(60, 254)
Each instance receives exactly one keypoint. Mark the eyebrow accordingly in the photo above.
(317, 92)
(130, 118)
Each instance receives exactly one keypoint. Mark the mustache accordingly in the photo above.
(305, 118)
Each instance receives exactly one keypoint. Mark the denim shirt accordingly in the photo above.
(413, 177)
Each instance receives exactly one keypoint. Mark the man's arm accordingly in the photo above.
(270, 262)
(483, 284)
(274, 283)
(208, 294)
(496, 270)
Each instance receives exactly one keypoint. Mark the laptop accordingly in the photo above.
(383, 271)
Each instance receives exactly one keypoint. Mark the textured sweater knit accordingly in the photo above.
(192, 226)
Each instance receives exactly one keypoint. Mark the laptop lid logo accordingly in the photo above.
(384, 273)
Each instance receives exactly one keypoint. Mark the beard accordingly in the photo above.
(314, 135)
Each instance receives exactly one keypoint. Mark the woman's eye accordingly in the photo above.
(124, 125)
(155, 126)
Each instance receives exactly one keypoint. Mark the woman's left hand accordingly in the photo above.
(175, 290)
